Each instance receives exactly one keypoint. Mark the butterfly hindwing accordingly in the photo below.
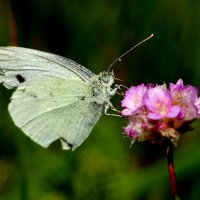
(55, 109)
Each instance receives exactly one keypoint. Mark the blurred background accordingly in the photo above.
(94, 33)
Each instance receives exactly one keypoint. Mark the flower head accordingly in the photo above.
(156, 112)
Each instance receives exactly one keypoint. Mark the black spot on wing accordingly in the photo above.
(20, 78)
(66, 142)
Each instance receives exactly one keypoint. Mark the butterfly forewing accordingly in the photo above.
(55, 109)
(22, 65)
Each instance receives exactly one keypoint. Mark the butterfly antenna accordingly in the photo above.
(119, 79)
(120, 57)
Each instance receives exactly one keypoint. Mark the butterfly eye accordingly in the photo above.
(105, 77)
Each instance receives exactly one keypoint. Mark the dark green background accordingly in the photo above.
(94, 33)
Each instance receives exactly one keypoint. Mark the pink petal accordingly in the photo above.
(154, 116)
(173, 112)
(128, 102)
(134, 97)
(126, 112)
(178, 86)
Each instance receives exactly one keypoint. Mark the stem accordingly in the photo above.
(171, 170)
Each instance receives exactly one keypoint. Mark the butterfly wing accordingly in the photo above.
(22, 65)
(55, 97)
(55, 109)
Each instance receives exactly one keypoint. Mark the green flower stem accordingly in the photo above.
(171, 170)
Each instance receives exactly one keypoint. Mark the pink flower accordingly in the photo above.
(186, 98)
(197, 104)
(157, 113)
(137, 126)
(131, 132)
(178, 86)
(159, 103)
(133, 100)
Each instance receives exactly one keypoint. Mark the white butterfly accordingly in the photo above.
(55, 97)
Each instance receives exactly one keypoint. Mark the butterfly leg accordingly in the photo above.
(119, 87)
(113, 108)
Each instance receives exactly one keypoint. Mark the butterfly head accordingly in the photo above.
(107, 78)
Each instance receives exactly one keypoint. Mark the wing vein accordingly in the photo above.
(48, 111)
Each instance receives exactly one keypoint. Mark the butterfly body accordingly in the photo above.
(55, 97)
